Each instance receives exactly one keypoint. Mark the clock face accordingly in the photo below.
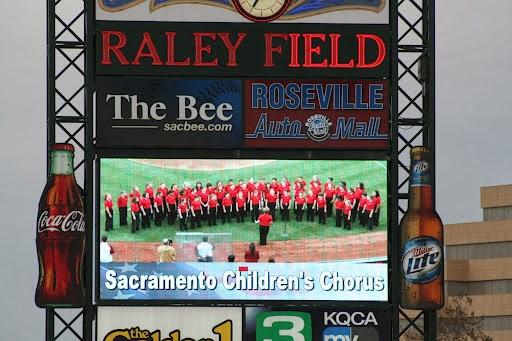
(261, 10)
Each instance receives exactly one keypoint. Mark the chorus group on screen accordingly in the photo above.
(221, 203)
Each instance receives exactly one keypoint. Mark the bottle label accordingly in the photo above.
(71, 222)
(420, 173)
(422, 260)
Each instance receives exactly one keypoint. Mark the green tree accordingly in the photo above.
(456, 322)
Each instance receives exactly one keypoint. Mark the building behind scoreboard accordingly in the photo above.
(479, 261)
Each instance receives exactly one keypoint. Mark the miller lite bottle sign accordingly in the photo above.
(60, 235)
(421, 232)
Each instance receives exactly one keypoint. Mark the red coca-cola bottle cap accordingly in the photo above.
(63, 146)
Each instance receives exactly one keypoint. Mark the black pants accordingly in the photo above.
(183, 222)
(376, 215)
(329, 206)
(220, 212)
(212, 217)
(285, 212)
(299, 212)
(310, 213)
(240, 215)
(263, 234)
(163, 211)
(196, 219)
(109, 220)
(363, 216)
(354, 211)
(159, 216)
(226, 215)
(321, 215)
(123, 214)
(255, 213)
(339, 216)
(135, 222)
(204, 215)
(171, 215)
(272, 207)
(146, 219)
(347, 224)
(369, 221)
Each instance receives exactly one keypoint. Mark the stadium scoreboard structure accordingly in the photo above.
(212, 90)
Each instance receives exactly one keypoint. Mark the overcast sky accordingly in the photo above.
(474, 70)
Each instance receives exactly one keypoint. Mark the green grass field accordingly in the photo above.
(121, 174)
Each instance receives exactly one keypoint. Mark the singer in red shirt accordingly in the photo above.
(271, 199)
(329, 192)
(300, 200)
(146, 209)
(135, 208)
(183, 214)
(357, 196)
(163, 190)
(170, 203)
(321, 204)
(159, 208)
(122, 205)
(227, 208)
(265, 221)
(310, 205)
(285, 205)
(197, 212)
(376, 210)
(339, 205)
(204, 195)
(254, 202)
(347, 211)
(368, 213)
(212, 210)
(361, 209)
(240, 205)
(220, 194)
(109, 213)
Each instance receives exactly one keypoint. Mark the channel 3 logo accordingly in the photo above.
(283, 326)
(297, 326)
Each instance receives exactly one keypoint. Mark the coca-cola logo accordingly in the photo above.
(71, 222)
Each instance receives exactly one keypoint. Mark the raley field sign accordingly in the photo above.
(248, 50)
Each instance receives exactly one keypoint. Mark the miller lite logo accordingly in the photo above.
(420, 167)
(422, 258)
(71, 222)
(420, 174)
(318, 128)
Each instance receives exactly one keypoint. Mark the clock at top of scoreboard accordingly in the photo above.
(261, 10)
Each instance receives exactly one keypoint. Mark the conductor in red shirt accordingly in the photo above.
(252, 255)
(265, 220)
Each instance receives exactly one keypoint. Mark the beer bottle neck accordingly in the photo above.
(420, 198)
(420, 184)
(61, 162)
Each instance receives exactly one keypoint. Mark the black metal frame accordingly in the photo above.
(70, 119)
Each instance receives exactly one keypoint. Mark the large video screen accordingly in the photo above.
(242, 230)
